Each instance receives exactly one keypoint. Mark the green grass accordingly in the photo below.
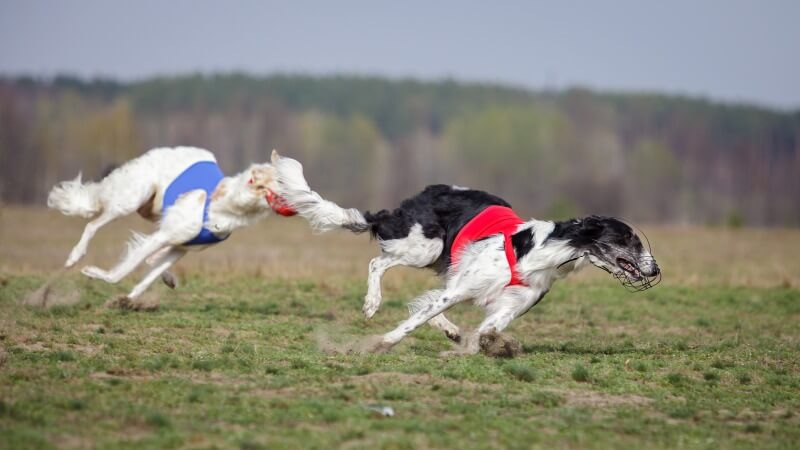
(236, 364)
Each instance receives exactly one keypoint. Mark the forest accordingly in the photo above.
(369, 142)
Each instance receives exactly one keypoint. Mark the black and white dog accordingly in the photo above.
(482, 250)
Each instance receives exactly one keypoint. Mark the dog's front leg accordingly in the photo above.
(88, 233)
(377, 267)
(513, 302)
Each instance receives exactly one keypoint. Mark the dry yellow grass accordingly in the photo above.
(36, 240)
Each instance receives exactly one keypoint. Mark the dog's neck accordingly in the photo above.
(235, 205)
(541, 259)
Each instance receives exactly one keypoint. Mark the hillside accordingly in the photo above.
(368, 142)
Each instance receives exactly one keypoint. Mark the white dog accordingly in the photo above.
(182, 189)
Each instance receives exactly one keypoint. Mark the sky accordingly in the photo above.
(727, 50)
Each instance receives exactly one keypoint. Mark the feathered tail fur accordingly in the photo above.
(74, 198)
(323, 215)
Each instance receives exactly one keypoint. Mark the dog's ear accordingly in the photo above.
(592, 227)
(275, 156)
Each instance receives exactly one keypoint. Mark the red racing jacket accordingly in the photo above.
(492, 220)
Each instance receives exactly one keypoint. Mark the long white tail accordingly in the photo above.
(323, 215)
(74, 198)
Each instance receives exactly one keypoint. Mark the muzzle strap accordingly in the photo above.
(279, 205)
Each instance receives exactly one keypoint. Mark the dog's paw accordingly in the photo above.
(74, 256)
(371, 305)
(169, 279)
(94, 272)
(455, 337)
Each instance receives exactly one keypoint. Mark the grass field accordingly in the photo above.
(233, 359)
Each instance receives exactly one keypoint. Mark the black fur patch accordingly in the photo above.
(523, 242)
(441, 210)
(597, 233)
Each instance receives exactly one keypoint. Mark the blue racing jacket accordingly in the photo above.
(204, 175)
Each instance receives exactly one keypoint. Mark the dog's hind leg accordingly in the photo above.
(88, 233)
(439, 304)
(115, 203)
(450, 329)
(513, 302)
(138, 251)
(439, 322)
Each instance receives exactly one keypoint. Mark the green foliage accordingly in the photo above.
(562, 209)
(519, 371)
(370, 142)
(580, 374)
(506, 144)
(734, 220)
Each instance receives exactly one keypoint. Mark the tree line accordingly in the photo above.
(369, 142)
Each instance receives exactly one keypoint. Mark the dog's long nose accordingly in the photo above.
(649, 267)
(655, 270)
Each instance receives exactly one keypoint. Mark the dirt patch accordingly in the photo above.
(56, 291)
(32, 347)
(345, 344)
(383, 378)
(72, 441)
(596, 399)
(149, 301)
(394, 377)
(289, 392)
(85, 349)
(499, 345)
(121, 373)
(217, 379)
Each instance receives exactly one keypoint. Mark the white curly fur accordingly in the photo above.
(322, 215)
(138, 186)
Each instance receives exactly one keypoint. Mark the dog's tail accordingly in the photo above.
(74, 198)
(323, 215)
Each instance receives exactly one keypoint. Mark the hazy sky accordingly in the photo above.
(727, 49)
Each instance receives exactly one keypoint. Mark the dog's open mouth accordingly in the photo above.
(631, 271)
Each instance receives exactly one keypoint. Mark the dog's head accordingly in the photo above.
(262, 179)
(613, 246)
(263, 183)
